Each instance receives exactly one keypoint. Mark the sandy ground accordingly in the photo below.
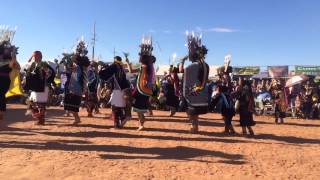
(165, 150)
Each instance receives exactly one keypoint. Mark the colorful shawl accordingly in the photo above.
(146, 80)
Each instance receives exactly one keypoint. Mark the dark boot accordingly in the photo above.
(41, 121)
(41, 117)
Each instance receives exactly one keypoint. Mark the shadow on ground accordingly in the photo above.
(154, 153)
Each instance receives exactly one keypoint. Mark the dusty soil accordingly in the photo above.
(165, 150)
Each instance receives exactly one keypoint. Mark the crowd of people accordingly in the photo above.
(94, 85)
(300, 100)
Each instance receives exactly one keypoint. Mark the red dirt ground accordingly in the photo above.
(165, 150)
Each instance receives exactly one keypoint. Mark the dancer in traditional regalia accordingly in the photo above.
(67, 63)
(77, 82)
(145, 80)
(38, 79)
(246, 107)
(8, 61)
(170, 86)
(91, 96)
(280, 102)
(226, 95)
(195, 78)
(115, 73)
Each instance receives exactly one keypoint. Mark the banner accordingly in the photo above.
(278, 71)
(307, 70)
(248, 70)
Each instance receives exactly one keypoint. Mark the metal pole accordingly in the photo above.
(93, 40)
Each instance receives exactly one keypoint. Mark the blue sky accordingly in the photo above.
(255, 32)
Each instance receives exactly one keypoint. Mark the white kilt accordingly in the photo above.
(40, 97)
(117, 99)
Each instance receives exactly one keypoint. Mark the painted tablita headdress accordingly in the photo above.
(6, 47)
(146, 77)
(80, 53)
(197, 53)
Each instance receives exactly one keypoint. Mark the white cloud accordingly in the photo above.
(199, 29)
(216, 29)
(222, 30)
(153, 31)
(167, 31)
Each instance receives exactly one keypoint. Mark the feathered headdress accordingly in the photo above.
(80, 53)
(146, 46)
(81, 47)
(197, 50)
(146, 77)
(6, 38)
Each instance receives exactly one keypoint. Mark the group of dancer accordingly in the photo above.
(82, 76)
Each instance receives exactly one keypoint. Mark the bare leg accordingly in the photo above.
(194, 119)
(150, 111)
(281, 120)
(89, 112)
(41, 117)
(250, 130)
(127, 110)
(228, 125)
(96, 109)
(76, 118)
(141, 121)
(90, 108)
(173, 112)
(226, 129)
(67, 114)
(231, 129)
(244, 130)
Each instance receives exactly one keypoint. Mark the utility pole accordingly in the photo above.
(94, 40)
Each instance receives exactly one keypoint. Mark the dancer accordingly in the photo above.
(171, 90)
(91, 96)
(145, 80)
(76, 84)
(280, 103)
(194, 81)
(8, 62)
(226, 88)
(38, 79)
(246, 107)
(120, 85)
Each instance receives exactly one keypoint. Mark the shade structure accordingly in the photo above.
(296, 80)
